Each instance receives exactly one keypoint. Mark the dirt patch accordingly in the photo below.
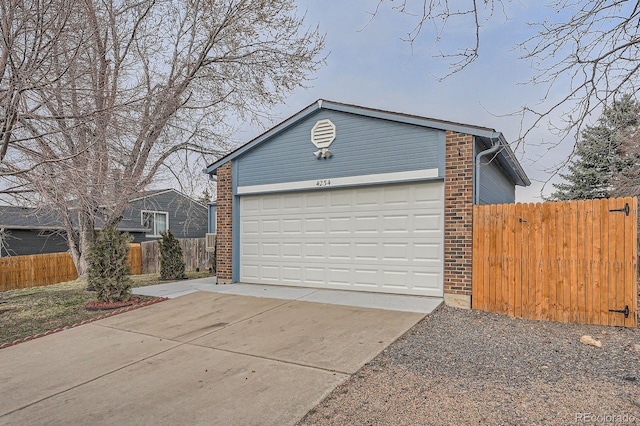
(471, 367)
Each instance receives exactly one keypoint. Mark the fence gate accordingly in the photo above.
(572, 261)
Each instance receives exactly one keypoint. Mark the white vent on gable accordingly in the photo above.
(322, 135)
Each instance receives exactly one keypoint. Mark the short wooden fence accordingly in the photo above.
(36, 270)
(43, 269)
(570, 261)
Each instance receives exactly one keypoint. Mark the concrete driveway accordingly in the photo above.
(203, 358)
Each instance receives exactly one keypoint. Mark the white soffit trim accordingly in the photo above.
(326, 183)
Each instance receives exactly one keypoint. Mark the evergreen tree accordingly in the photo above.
(109, 273)
(171, 260)
(599, 157)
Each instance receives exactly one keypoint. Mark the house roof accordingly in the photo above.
(29, 218)
(505, 156)
(42, 219)
(153, 192)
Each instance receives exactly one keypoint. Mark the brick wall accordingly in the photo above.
(224, 225)
(458, 213)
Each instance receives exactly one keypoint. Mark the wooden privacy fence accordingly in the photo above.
(570, 261)
(36, 270)
(194, 253)
(43, 269)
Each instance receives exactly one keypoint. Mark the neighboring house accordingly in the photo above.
(352, 198)
(164, 209)
(26, 231)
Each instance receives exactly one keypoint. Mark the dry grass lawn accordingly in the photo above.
(30, 311)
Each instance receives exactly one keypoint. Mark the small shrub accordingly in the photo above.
(171, 260)
(109, 273)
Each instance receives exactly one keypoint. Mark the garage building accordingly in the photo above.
(352, 198)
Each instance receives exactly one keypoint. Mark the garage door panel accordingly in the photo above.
(250, 272)
(427, 222)
(379, 238)
(426, 281)
(398, 278)
(367, 197)
(314, 225)
(270, 272)
(395, 252)
(365, 225)
(250, 250)
(340, 225)
(249, 206)
(425, 252)
(292, 274)
(314, 201)
(339, 276)
(397, 196)
(292, 201)
(365, 251)
(340, 251)
(366, 278)
(395, 224)
(339, 199)
(292, 250)
(271, 250)
(314, 251)
(314, 275)
(269, 226)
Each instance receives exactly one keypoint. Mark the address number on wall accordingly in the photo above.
(323, 182)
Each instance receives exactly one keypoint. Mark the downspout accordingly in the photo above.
(495, 147)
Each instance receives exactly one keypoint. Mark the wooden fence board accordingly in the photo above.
(604, 266)
(562, 261)
(615, 246)
(485, 244)
(526, 272)
(476, 265)
(517, 260)
(551, 261)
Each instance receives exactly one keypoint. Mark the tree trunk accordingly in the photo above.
(79, 238)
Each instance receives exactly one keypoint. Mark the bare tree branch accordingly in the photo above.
(126, 85)
(585, 54)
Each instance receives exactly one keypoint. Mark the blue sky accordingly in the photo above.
(370, 65)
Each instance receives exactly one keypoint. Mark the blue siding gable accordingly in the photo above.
(363, 146)
(495, 186)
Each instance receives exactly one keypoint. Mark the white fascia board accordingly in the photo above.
(340, 182)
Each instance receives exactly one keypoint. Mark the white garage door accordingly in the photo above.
(385, 238)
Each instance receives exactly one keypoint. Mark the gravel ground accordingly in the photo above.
(459, 367)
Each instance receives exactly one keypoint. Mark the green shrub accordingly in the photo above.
(171, 260)
(109, 273)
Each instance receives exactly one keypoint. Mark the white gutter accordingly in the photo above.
(495, 139)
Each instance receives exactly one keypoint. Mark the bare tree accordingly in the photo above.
(139, 81)
(585, 53)
(29, 31)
